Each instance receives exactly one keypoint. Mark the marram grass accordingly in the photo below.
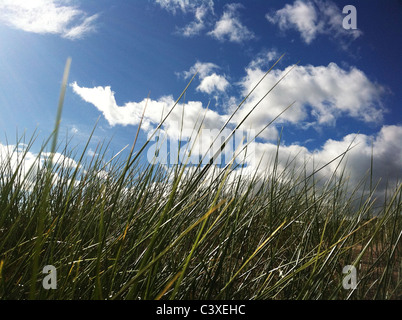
(125, 228)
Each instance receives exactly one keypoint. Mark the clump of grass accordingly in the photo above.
(124, 228)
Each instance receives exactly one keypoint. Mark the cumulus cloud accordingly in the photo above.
(130, 114)
(301, 16)
(323, 93)
(383, 148)
(312, 18)
(47, 17)
(213, 83)
(229, 26)
(210, 80)
(13, 157)
(203, 69)
(61, 159)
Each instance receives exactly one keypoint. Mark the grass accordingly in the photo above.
(147, 231)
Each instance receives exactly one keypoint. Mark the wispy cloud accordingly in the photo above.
(74, 130)
(196, 26)
(264, 58)
(313, 18)
(80, 30)
(199, 8)
(183, 5)
(229, 26)
(47, 17)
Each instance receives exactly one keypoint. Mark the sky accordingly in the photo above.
(344, 82)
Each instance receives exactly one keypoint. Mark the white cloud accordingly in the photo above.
(301, 15)
(85, 27)
(11, 156)
(183, 5)
(103, 99)
(322, 95)
(91, 153)
(47, 17)
(199, 8)
(213, 83)
(74, 130)
(203, 69)
(130, 114)
(312, 18)
(263, 58)
(383, 147)
(322, 92)
(61, 160)
(230, 28)
(196, 26)
(173, 5)
(387, 153)
(210, 81)
(29, 163)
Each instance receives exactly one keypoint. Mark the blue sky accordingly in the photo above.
(347, 81)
